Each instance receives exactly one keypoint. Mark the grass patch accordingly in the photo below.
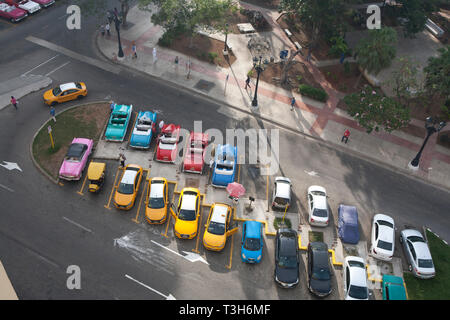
(315, 236)
(279, 222)
(437, 288)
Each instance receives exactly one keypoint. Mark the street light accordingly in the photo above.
(258, 67)
(432, 126)
(117, 22)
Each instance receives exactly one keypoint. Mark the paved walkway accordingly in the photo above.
(321, 120)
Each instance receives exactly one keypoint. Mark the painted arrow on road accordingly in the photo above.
(169, 297)
(192, 257)
(10, 166)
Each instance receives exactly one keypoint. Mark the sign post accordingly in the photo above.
(49, 129)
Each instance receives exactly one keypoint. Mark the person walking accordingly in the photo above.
(111, 106)
(345, 136)
(52, 113)
(108, 28)
(161, 125)
(292, 103)
(133, 48)
(102, 30)
(247, 82)
(14, 102)
(122, 160)
(154, 55)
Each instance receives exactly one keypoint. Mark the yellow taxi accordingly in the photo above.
(157, 201)
(218, 227)
(126, 193)
(65, 92)
(186, 214)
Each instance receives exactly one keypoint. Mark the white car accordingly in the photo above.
(418, 254)
(383, 237)
(355, 279)
(281, 197)
(317, 206)
(29, 6)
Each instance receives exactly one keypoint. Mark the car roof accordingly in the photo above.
(4, 6)
(157, 189)
(411, 232)
(76, 149)
(422, 250)
(129, 176)
(320, 254)
(67, 86)
(288, 242)
(283, 189)
(219, 213)
(320, 202)
(253, 229)
(349, 214)
(188, 202)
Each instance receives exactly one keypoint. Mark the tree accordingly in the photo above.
(416, 14)
(437, 74)
(404, 80)
(374, 111)
(287, 66)
(99, 8)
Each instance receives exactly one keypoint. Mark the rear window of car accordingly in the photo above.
(358, 292)
(281, 201)
(356, 264)
(252, 244)
(322, 213)
(416, 239)
(384, 245)
(426, 263)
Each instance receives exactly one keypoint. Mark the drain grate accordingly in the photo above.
(204, 85)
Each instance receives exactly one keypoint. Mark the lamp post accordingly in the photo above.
(117, 24)
(432, 126)
(258, 67)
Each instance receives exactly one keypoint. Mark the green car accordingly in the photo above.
(118, 123)
(393, 288)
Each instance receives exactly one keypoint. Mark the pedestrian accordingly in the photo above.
(108, 28)
(133, 48)
(116, 12)
(345, 136)
(154, 55)
(102, 30)
(14, 102)
(52, 113)
(122, 159)
(292, 103)
(161, 125)
(109, 16)
(341, 60)
(111, 106)
(247, 82)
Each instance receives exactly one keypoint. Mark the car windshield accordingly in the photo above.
(321, 274)
(426, 263)
(322, 213)
(156, 203)
(358, 292)
(188, 215)
(318, 193)
(78, 85)
(356, 264)
(56, 91)
(9, 9)
(287, 262)
(384, 245)
(416, 239)
(224, 166)
(252, 244)
(126, 188)
(216, 228)
(385, 223)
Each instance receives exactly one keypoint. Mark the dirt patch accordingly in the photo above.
(203, 48)
(343, 77)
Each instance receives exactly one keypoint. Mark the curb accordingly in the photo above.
(52, 179)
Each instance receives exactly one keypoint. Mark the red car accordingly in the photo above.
(194, 158)
(45, 3)
(168, 143)
(11, 12)
(29, 6)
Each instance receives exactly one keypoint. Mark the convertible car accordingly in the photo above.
(27, 5)
(224, 170)
(76, 158)
(168, 143)
(194, 158)
(143, 130)
(118, 122)
(12, 13)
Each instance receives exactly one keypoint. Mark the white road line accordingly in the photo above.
(6, 188)
(40, 65)
(77, 224)
(57, 68)
(169, 297)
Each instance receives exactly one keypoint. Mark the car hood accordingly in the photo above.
(185, 227)
(48, 94)
(287, 275)
(123, 199)
(214, 240)
(155, 214)
(320, 286)
(70, 168)
(17, 13)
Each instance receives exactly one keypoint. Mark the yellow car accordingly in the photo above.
(157, 201)
(126, 193)
(218, 227)
(65, 92)
(187, 213)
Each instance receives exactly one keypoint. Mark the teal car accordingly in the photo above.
(118, 123)
(393, 288)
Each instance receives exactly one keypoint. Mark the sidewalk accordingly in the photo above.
(322, 121)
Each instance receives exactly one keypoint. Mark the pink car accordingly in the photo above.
(76, 159)
(11, 12)
(45, 3)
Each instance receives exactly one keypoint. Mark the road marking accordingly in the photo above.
(312, 173)
(6, 188)
(61, 66)
(84, 182)
(40, 65)
(140, 201)
(192, 257)
(169, 297)
(112, 190)
(199, 225)
(11, 166)
(231, 251)
(77, 224)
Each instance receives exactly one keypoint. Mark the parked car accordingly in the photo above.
(116, 129)
(286, 258)
(126, 193)
(65, 92)
(143, 130)
(355, 279)
(417, 253)
(218, 227)
(194, 157)
(281, 196)
(96, 176)
(224, 171)
(76, 159)
(383, 237)
(157, 201)
(252, 241)
(319, 270)
(12, 13)
(393, 288)
(186, 214)
(168, 143)
(348, 224)
(27, 5)
(45, 3)
(318, 206)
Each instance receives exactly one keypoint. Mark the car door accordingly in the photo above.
(137, 182)
(173, 211)
(346, 279)
(309, 262)
(166, 193)
(232, 226)
(413, 255)
(244, 231)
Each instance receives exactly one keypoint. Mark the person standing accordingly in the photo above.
(102, 30)
(111, 106)
(161, 125)
(14, 102)
(154, 55)
(292, 103)
(345, 136)
(108, 28)
(122, 160)
(247, 82)
(52, 113)
(133, 48)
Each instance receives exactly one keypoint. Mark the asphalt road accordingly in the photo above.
(44, 228)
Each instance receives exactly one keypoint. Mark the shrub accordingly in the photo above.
(278, 222)
(212, 56)
(166, 40)
(299, 78)
(313, 93)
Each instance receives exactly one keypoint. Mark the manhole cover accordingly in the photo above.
(204, 85)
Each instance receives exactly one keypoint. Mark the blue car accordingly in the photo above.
(224, 170)
(143, 130)
(252, 242)
(118, 123)
(348, 224)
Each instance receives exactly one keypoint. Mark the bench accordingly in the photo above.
(289, 34)
(299, 47)
(434, 28)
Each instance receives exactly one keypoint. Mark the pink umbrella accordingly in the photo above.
(235, 189)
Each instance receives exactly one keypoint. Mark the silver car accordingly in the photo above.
(417, 253)
(281, 198)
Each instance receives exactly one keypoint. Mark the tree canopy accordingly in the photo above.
(437, 74)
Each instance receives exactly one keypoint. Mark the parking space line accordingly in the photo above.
(40, 65)
(200, 224)
(231, 252)
(140, 201)
(56, 69)
(333, 258)
(369, 277)
(6, 188)
(168, 209)
(113, 188)
(84, 182)
(77, 224)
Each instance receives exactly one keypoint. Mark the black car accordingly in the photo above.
(319, 271)
(286, 258)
